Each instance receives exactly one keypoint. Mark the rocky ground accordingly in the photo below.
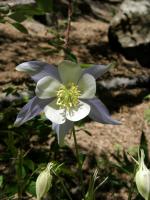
(89, 42)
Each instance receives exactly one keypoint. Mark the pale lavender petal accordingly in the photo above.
(61, 130)
(99, 112)
(97, 70)
(31, 109)
(38, 70)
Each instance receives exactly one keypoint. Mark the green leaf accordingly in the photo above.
(10, 142)
(20, 27)
(31, 188)
(147, 97)
(83, 65)
(56, 42)
(28, 10)
(70, 56)
(82, 158)
(1, 181)
(11, 189)
(21, 171)
(45, 5)
(2, 20)
(144, 145)
(17, 16)
(147, 115)
(29, 164)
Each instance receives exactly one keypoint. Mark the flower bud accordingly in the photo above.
(43, 182)
(142, 178)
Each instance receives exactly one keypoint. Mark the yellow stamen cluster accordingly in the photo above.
(68, 96)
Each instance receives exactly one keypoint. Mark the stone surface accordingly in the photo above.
(129, 31)
(16, 2)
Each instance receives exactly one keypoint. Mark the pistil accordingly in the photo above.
(68, 96)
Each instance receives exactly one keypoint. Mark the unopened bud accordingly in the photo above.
(43, 182)
(142, 178)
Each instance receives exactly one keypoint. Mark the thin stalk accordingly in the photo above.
(68, 24)
(78, 160)
(19, 173)
(64, 187)
(132, 185)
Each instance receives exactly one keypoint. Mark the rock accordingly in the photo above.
(129, 31)
(13, 3)
(117, 83)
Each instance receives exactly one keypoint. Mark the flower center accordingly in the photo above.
(68, 96)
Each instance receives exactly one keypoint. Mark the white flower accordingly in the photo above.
(43, 182)
(66, 94)
(142, 178)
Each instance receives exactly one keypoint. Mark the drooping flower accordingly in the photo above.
(65, 93)
(142, 178)
(44, 182)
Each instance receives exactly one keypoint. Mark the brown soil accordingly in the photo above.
(89, 43)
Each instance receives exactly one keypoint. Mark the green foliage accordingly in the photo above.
(147, 115)
(31, 188)
(90, 195)
(144, 146)
(1, 181)
(147, 97)
(45, 5)
(16, 15)
(20, 27)
(70, 56)
(147, 112)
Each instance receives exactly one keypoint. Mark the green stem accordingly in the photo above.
(63, 185)
(132, 185)
(79, 163)
(68, 24)
(19, 173)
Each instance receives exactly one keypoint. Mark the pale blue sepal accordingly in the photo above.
(38, 70)
(99, 112)
(61, 130)
(31, 109)
(97, 70)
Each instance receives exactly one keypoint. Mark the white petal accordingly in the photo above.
(54, 114)
(69, 72)
(79, 113)
(87, 86)
(47, 87)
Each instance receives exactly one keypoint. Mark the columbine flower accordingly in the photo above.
(142, 178)
(44, 182)
(66, 94)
